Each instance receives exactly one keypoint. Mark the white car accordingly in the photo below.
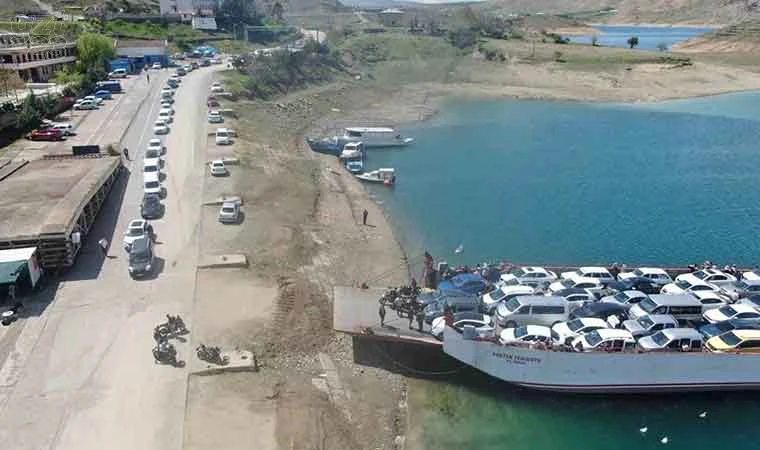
(534, 276)
(215, 117)
(566, 332)
(711, 299)
(151, 165)
(217, 89)
(600, 273)
(97, 100)
(626, 298)
(223, 136)
(176, 78)
(742, 288)
(85, 104)
(728, 312)
(167, 92)
(526, 334)
(655, 274)
(687, 285)
(160, 127)
(156, 65)
(503, 293)
(712, 276)
(136, 229)
(592, 284)
(165, 115)
(166, 101)
(605, 338)
(118, 73)
(217, 168)
(229, 212)
(152, 184)
(482, 323)
(155, 145)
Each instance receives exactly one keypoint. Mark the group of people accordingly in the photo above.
(731, 270)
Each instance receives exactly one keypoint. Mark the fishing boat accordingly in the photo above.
(375, 137)
(353, 157)
(387, 176)
(623, 370)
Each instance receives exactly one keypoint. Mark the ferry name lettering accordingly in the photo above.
(517, 359)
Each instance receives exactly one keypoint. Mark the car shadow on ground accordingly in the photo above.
(90, 259)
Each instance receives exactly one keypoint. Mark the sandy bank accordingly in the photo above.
(660, 25)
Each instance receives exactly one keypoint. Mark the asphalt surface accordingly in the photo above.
(80, 374)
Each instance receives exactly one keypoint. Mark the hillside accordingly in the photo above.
(634, 11)
(743, 36)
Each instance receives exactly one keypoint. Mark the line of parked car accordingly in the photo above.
(644, 306)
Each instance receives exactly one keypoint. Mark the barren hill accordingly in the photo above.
(743, 36)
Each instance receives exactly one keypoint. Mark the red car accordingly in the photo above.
(212, 103)
(48, 134)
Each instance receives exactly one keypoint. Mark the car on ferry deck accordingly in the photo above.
(599, 273)
(455, 304)
(469, 283)
(592, 284)
(626, 298)
(716, 329)
(688, 285)
(566, 332)
(728, 312)
(684, 307)
(711, 299)
(652, 323)
(607, 339)
(742, 288)
(534, 276)
(483, 323)
(532, 309)
(601, 310)
(710, 276)
(526, 334)
(501, 294)
(642, 284)
(741, 341)
(673, 339)
(751, 300)
(576, 297)
(653, 274)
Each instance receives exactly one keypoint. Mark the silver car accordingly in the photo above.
(230, 212)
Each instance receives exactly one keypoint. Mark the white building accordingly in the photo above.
(187, 7)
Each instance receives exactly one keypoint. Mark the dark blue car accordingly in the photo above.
(468, 283)
(716, 329)
(104, 94)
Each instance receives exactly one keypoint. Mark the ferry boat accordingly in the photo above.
(623, 371)
(353, 157)
(375, 137)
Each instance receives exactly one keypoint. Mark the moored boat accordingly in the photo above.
(387, 176)
(375, 137)
(353, 157)
(624, 370)
(328, 146)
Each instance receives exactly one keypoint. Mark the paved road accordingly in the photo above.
(81, 375)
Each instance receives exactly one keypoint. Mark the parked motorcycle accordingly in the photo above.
(176, 324)
(165, 353)
(211, 354)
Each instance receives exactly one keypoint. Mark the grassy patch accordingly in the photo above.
(150, 30)
(393, 58)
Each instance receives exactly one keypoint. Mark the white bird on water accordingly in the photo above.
(459, 249)
(664, 440)
(643, 429)
(703, 414)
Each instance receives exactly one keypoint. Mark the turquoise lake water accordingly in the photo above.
(559, 182)
(649, 37)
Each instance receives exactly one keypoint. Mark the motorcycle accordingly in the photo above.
(176, 325)
(211, 354)
(165, 353)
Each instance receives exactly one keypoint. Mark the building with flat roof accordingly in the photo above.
(51, 203)
(33, 60)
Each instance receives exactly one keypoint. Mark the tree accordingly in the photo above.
(633, 41)
(93, 51)
(278, 12)
(595, 40)
(10, 82)
(237, 11)
(29, 115)
(662, 46)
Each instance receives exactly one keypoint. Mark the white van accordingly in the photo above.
(118, 73)
(151, 184)
(223, 136)
(684, 307)
(151, 165)
(532, 310)
(166, 115)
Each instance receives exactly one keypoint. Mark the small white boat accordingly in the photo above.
(375, 137)
(387, 176)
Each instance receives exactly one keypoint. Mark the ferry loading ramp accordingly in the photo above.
(43, 202)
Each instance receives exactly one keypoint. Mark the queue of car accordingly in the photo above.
(589, 307)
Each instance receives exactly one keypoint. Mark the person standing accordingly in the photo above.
(147, 75)
(381, 312)
(126, 154)
(411, 319)
(420, 320)
(365, 213)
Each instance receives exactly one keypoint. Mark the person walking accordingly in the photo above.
(147, 76)
(103, 244)
(381, 312)
(365, 213)
(411, 319)
(420, 321)
(126, 154)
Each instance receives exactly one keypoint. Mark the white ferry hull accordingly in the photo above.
(378, 141)
(603, 372)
